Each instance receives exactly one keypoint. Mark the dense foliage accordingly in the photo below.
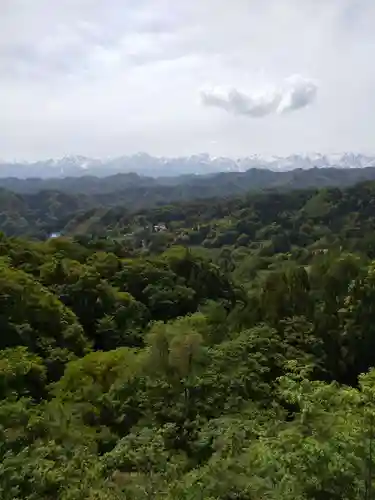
(209, 350)
(38, 207)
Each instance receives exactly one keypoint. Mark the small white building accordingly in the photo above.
(160, 227)
(54, 235)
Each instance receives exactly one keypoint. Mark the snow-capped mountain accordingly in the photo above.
(144, 164)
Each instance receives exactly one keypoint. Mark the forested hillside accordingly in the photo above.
(180, 186)
(268, 223)
(37, 207)
(88, 207)
(216, 349)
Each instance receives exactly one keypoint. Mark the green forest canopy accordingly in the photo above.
(39, 207)
(216, 349)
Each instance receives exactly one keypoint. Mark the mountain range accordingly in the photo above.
(146, 165)
(40, 207)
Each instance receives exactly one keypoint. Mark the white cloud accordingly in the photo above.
(296, 93)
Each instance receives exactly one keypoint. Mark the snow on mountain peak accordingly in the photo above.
(144, 164)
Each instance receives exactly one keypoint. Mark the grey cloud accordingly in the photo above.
(298, 93)
(238, 103)
(105, 78)
(45, 41)
(295, 93)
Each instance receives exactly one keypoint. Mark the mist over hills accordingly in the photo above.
(150, 166)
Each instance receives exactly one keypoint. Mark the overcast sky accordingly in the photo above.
(176, 77)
